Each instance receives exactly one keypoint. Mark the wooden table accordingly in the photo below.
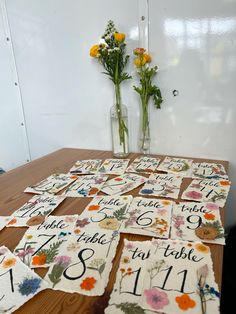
(12, 185)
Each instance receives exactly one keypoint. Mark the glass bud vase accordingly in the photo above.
(119, 129)
(144, 131)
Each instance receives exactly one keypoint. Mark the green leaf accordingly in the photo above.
(130, 308)
(120, 213)
(101, 268)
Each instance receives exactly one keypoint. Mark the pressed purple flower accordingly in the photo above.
(25, 252)
(29, 286)
(147, 191)
(62, 260)
(82, 222)
(156, 299)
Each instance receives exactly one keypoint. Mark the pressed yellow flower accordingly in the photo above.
(109, 223)
(9, 262)
(29, 236)
(166, 203)
(202, 248)
(125, 260)
(94, 51)
(119, 37)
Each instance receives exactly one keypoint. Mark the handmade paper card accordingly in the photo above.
(52, 184)
(88, 166)
(40, 244)
(197, 221)
(114, 166)
(179, 279)
(125, 297)
(206, 190)
(18, 283)
(148, 216)
(105, 212)
(84, 262)
(3, 221)
(207, 170)
(176, 165)
(86, 186)
(164, 185)
(122, 184)
(35, 210)
(143, 165)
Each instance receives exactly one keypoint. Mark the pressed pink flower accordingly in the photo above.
(156, 299)
(129, 246)
(203, 271)
(194, 195)
(212, 206)
(63, 260)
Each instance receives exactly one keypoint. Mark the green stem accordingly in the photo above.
(144, 99)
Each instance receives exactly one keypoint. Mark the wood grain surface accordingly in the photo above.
(12, 185)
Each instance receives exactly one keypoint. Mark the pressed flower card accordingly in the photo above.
(40, 244)
(125, 297)
(205, 190)
(53, 184)
(105, 212)
(18, 283)
(207, 170)
(176, 165)
(123, 184)
(86, 186)
(143, 164)
(197, 221)
(88, 166)
(179, 279)
(3, 221)
(148, 216)
(84, 262)
(114, 166)
(35, 210)
(163, 185)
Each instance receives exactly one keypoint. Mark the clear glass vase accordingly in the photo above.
(144, 130)
(119, 129)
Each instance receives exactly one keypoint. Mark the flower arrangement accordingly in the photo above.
(146, 90)
(111, 54)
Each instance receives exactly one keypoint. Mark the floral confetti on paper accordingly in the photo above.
(207, 170)
(53, 184)
(84, 262)
(86, 186)
(163, 185)
(197, 222)
(143, 164)
(148, 216)
(88, 166)
(205, 190)
(179, 278)
(114, 166)
(181, 166)
(18, 283)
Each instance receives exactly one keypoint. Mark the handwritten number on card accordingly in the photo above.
(197, 222)
(182, 287)
(44, 235)
(82, 260)
(103, 215)
(144, 221)
(11, 278)
(134, 291)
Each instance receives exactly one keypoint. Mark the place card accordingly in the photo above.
(84, 262)
(181, 166)
(114, 166)
(205, 190)
(125, 297)
(197, 221)
(163, 185)
(53, 184)
(88, 166)
(35, 210)
(86, 186)
(179, 278)
(40, 244)
(143, 164)
(148, 216)
(105, 212)
(209, 170)
(3, 221)
(122, 184)
(18, 283)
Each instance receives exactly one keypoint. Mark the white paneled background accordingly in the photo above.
(65, 99)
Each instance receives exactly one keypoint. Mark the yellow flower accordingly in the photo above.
(202, 248)
(29, 236)
(94, 51)
(139, 62)
(119, 37)
(109, 223)
(139, 51)
(9, 262)
(147, 58)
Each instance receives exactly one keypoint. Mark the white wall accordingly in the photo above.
(66, 99)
